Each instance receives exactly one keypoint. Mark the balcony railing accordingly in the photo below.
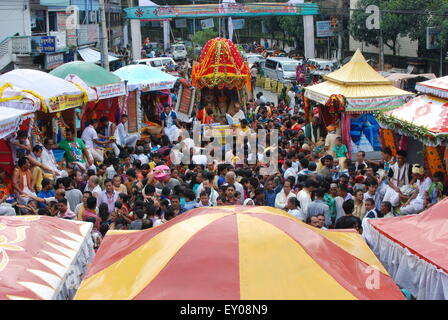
(21, 45)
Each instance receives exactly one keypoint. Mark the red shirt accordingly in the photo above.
(201, 116)
(87, 213)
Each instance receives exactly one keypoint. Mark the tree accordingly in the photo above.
(201, 37)
(391, 24)
(293, 27)
(408, 18)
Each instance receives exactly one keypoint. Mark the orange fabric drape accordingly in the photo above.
(433, 160)
(389, 140)
(28, 178)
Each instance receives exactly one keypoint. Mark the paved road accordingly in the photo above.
(271, 97)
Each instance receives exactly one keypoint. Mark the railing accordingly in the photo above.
(5, 52)
(11, 46)
(21, 44)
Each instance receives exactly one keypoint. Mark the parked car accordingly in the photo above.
(281, 69)
(158, 63)
(179, 51)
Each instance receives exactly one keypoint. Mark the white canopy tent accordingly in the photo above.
(90, 55)
(54, 94)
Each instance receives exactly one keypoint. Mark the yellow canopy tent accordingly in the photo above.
(365, 89)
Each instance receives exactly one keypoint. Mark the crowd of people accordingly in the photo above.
(120, 181)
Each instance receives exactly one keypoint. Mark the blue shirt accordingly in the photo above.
(165, 117)
(45, 194)
(221, 180)
(189, 205)
(269, 195)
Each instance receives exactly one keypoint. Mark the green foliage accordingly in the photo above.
(439, 20)
(393, 25)
(201, 37)
(292, 26)
(389, 22)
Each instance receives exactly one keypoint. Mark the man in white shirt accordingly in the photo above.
(261, 98)
(20, 145)
(289, 171)
(90, 137)
(416, 202)
(198, 158)
(231, 179)
(206, 186)
(304, 195)
(93, 187)
(281, 199)
(170, 123)
(122, 136)
(360, 159)
(141, 156)
(401, 176)
(239, 114)
(292, 97)
(47, 157)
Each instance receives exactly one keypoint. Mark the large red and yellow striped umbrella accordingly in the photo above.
(236, 253)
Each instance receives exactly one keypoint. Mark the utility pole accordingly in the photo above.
(104, 44)
(441, 60)
(340, 30)
(381, 46)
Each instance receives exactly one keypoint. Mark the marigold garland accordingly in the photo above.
(433, 160)
(336, 104)
(389, 140)
(222, 66)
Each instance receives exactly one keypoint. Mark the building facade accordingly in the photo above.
(43, 34)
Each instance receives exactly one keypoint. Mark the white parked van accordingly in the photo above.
(281, 68)
(158, 63)
(179, 51)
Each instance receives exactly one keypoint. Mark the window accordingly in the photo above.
(38, 22)
(166, 61)
(270, 64)
(156, 63)
(290, 67)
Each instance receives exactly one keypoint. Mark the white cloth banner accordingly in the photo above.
(9, 121)
(421, 278)
(166, 34)
(308, 30)
(230, 29)
(111, 90)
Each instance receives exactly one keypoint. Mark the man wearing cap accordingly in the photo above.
(402, 175)
(314, 130)
(330, 139)
(416, 202)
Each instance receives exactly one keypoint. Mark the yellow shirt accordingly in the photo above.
(121, 189)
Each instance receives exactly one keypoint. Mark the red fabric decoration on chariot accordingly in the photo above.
(221, 66)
